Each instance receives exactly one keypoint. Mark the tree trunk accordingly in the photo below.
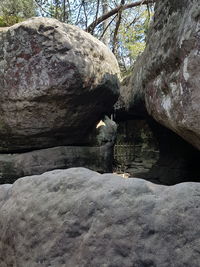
(64, 10)
(106, 37)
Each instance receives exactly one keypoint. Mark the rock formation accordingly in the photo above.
(56, 82)
(78, 217)
(13, 166)
(166, 77)
(107, 131)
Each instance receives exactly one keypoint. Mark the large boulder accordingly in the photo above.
(56, 82)
(78, 217)
(97, 158)
(167, 76)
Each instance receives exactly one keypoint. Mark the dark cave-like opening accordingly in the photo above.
(145, 149)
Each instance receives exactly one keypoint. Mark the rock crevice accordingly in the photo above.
(166, 76)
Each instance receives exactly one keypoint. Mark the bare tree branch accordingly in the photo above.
(149, 13)
(79, 12)
(85, 13)
(117, 27)
(97, 11)
(64, 10)
(105, 9)
(107, 27)
(40, 6)
(112, 12)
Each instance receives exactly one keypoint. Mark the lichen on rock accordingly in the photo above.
(166, 76)
(56, 82)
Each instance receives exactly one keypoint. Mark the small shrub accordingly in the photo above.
(6, 21)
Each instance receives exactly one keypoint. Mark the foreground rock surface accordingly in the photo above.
(77, 217)
(13, 166)
(166, 77)
(56, 82)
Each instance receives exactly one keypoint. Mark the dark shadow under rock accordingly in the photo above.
(13, 166)
(178, 160)
(148, 150)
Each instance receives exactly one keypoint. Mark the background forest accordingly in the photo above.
(121, 25)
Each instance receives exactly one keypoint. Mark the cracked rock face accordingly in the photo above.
(56, 81)
(167, 74)
(77, 217)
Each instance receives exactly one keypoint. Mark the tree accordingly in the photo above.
(13, 11)
(115, 10)
(120, 24)
(105, 9)
(131, 37)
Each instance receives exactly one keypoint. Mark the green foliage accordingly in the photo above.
(56, 10)
(59, 9)
(14, 11)
(132, 37)
(6, 21)
(133, 40)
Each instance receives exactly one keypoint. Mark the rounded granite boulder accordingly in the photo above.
(56, 82)
(79, 218)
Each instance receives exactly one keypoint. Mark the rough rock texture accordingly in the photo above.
(77, 217)
(167, 74)
(13, 166)
(56, 82)
(106, 131)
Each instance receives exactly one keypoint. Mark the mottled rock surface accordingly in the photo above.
(13, 166)
(77, 217)
(167, 76)
(56, 82)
